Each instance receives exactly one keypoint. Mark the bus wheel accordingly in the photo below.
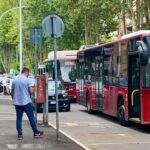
(121, 115)
(89, 110)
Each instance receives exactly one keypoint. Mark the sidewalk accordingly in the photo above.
(8, 136)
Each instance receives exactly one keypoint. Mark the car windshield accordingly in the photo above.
(51, 85)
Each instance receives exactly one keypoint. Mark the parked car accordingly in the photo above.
(63, 101)
(1, 87)
(4, 81)
(8, 85)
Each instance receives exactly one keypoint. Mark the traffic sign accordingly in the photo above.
(35, 37)
(53, 26)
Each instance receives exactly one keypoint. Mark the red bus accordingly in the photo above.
(114, 78)
(66, 68)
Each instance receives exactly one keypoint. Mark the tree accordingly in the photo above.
(86, 22)
(138, 12)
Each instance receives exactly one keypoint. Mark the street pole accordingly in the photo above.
(45, 105)
(21, 45)
(35, 65)
(53, 26)
(35, 53)
(56, 90)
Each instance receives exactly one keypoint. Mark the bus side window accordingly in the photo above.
(114, 63)
(106, 71)
(107, 65)
(87, 71)
(122, 61)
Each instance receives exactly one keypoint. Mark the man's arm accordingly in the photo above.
(31, 89)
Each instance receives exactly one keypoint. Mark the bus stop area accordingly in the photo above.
(8, 138)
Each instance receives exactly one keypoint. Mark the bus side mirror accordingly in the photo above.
(143, 52)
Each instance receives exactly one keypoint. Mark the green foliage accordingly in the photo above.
(86, 22)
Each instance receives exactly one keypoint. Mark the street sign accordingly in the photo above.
(35, 41)
(35, 37)
(53, 26)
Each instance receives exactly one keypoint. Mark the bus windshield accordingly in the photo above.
(51, 85)
(146, 69)
(68, 70)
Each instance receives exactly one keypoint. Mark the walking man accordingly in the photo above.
(22, 88)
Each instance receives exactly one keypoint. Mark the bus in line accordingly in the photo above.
(66, 69)
(114, 78)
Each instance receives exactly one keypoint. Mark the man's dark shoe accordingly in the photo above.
(20, 137)
(39, 134)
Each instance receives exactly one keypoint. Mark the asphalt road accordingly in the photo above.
(99, 131)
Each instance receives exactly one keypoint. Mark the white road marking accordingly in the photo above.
(71, 124)
(94, 123)
(4, 113)
(70, 137)
(94, 144)
(121, 134)
(24, 146)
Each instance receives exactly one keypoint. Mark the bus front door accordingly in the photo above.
(98, 82)
(81, 83)
(134, 88)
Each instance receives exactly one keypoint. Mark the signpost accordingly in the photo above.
(21, 44)
(35, 41)
(53, 26)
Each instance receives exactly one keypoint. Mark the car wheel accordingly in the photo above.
(4, 91)
(68, 109)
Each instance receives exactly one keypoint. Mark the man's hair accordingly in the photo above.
(24, 70)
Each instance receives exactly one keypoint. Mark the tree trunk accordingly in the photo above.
(2, 63)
